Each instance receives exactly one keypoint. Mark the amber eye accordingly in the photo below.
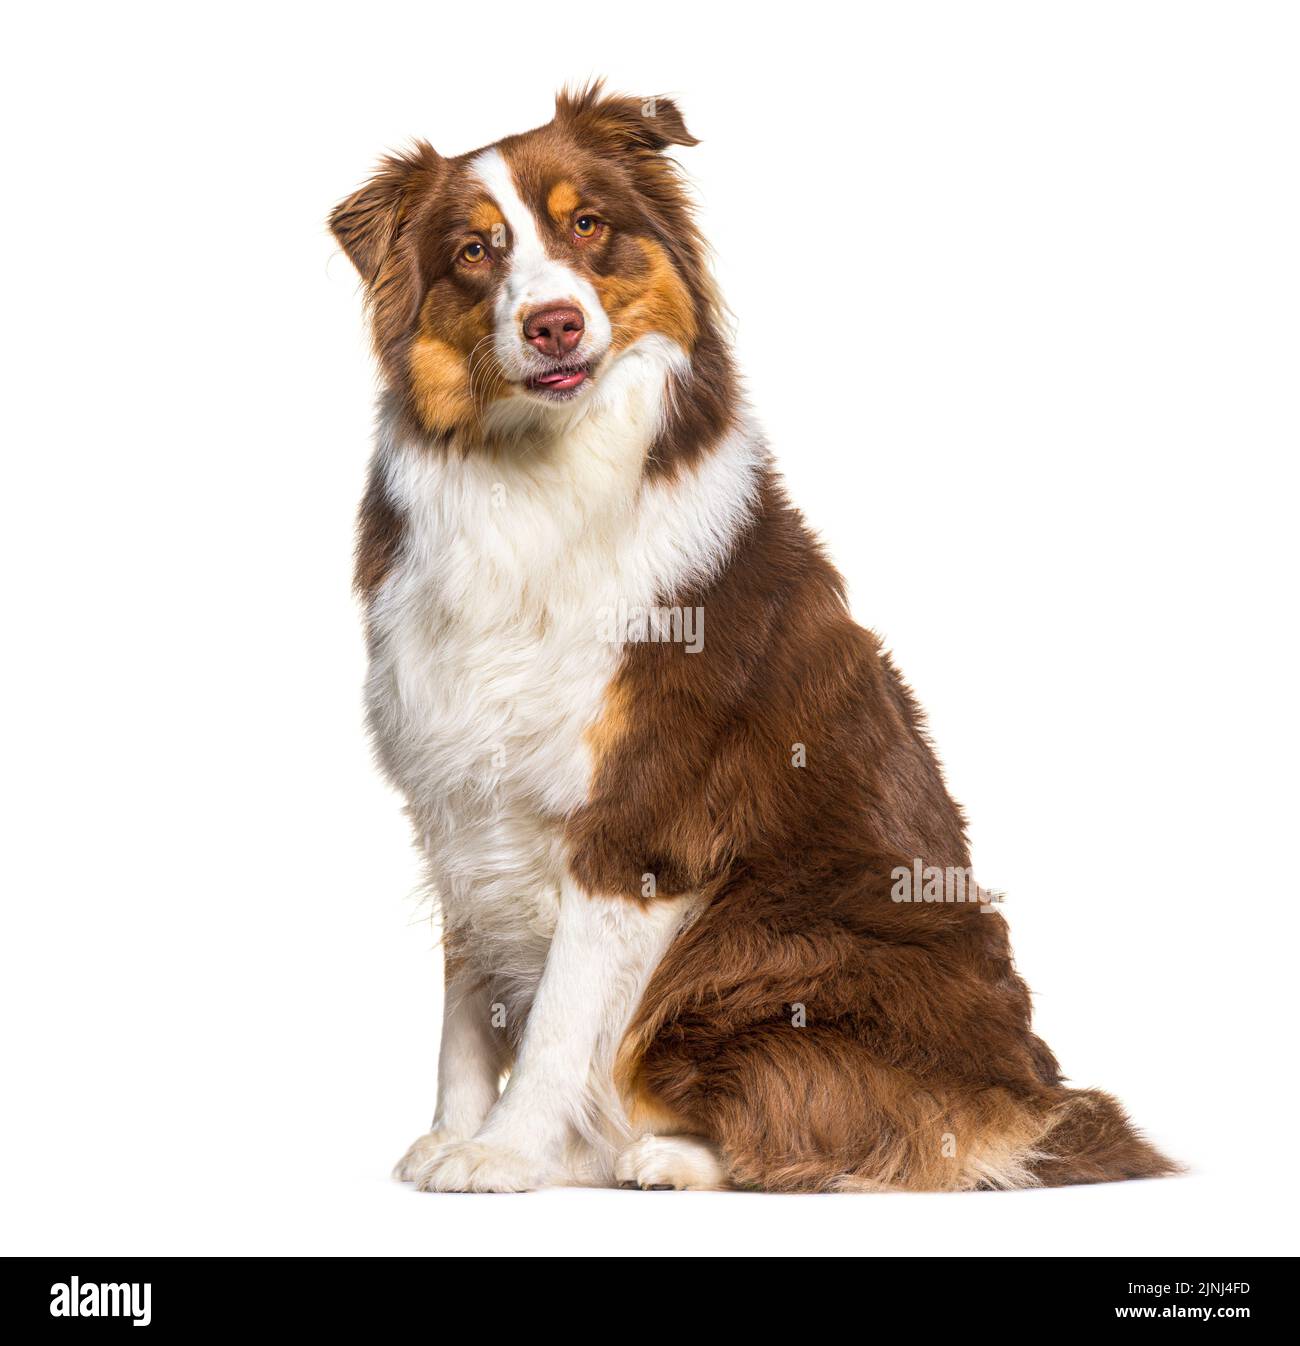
(473, 252)
(585, 226)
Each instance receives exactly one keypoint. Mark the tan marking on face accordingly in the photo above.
(440, 383)
(656, 300)
(453, 367)
(485, 218)
(561, 202)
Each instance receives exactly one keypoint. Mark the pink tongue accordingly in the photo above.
(560, 376)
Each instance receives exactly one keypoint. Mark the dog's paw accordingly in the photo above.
(420, 1155)
(478, 1166)
(662, 1163)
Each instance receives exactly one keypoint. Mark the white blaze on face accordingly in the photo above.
(534, 279)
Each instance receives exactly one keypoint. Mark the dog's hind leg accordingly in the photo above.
(660, 1163)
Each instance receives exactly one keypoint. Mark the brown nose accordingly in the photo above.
(554, 331)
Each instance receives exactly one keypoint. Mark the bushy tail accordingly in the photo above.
(1090, 1139)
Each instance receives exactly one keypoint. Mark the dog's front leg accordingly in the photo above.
(602, 952)
(469, 1070)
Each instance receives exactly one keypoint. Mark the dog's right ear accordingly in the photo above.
(367, 224)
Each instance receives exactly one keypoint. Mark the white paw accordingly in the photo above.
(418, 1157)
(657, 1163)
(478, 1166)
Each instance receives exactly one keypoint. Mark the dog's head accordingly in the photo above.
(509, 281)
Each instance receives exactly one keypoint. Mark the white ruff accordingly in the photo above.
(491, 655)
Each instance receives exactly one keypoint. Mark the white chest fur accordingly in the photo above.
(491, 638)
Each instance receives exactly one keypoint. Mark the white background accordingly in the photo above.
(1016, 291)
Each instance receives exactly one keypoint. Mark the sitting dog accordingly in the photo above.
(690, 843)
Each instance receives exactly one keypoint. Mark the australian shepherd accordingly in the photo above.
(692, 849)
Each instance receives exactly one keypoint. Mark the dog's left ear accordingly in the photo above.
(368, 223)
(620, 122)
